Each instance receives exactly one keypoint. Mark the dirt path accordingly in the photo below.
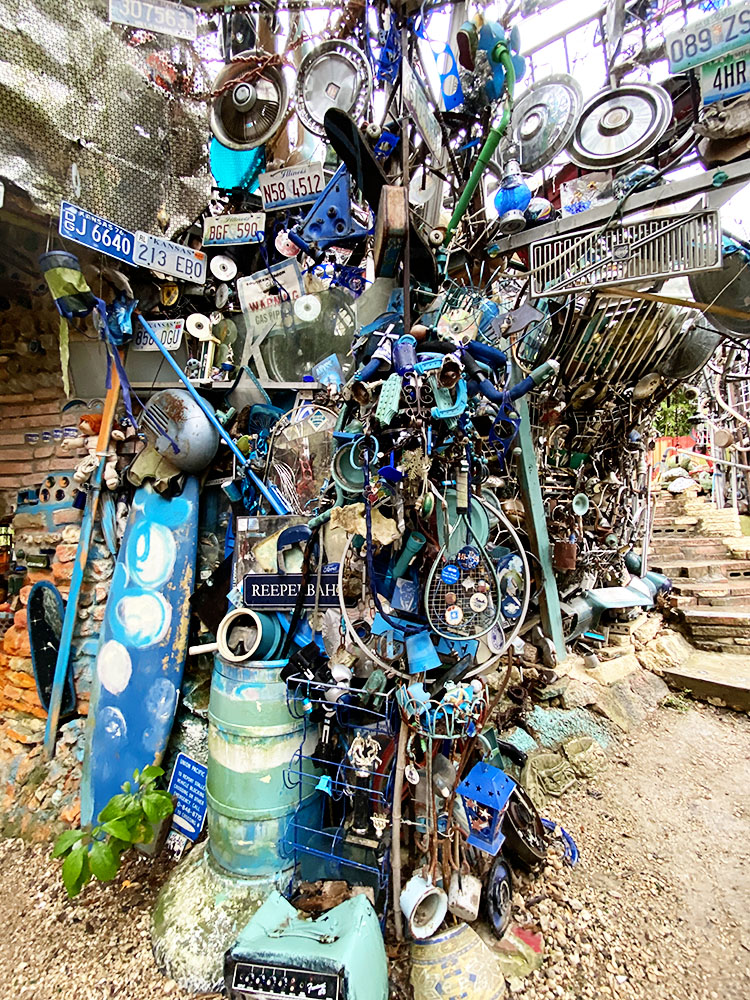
(658, 906)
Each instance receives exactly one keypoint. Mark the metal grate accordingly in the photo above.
(655, 248)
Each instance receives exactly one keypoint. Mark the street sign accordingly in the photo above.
(723, 31)
(169, 332)
(291, 185)
(170, 258)
(159, 16)
(92, 231)
(226, 230)
(726, 77)
(280, 590)
(188, 783)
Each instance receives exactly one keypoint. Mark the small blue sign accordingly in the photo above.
(188, 783)
(92, 231)
(450, 574)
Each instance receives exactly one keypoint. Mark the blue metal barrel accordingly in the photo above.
(252, 738)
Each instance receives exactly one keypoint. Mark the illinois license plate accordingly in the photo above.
(291, 185)
(169, 332)
(170, 258)
(232, 229)
(92, 231)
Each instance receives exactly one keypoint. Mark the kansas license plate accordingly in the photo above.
(159, 16)
(169, 332)
(231, 229)
(291, 185)
(92, 231)
(170, 258)
(724, 31)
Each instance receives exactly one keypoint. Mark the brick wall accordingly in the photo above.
(31, 402)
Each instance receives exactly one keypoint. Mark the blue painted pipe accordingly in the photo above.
(277, 506)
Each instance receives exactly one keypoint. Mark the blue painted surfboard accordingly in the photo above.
(144, 640)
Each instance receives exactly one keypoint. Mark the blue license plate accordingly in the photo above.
(92, 231)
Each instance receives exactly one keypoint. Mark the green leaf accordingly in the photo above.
(66, 841)
(136, 776)
(75, 871)
(117, 807)
(127, 787)
(150, 773)
(104, 861)
(157, 806)
(120, 829)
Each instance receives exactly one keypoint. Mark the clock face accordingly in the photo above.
(253, 979)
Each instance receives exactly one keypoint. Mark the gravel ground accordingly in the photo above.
(658, 906)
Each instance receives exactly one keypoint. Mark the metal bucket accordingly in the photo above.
(252, 738)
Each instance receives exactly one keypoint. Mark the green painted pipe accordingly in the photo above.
(488, 149)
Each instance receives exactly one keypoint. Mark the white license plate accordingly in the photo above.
(169, 332)
(701, 41)
(159, 16)
(170, 258)
(232, 229)
(291, 186)
(725, 78)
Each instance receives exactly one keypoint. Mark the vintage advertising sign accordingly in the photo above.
(726, 77)
(280, 590)
(229, 230)
(416, 101)
(260, 295)
(159, 16)
(702, 41)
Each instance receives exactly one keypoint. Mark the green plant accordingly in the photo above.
(127, 819)
(677, 702)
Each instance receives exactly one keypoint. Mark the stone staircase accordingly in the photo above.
(702, 550)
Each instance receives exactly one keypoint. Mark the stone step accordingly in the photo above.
(714, 675)
(716, 616)
(720, 587)
(729, 601)
(693, 548)
(697, 569)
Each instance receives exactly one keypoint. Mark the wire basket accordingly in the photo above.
(459, 714)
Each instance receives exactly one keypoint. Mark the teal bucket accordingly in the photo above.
(253, 739)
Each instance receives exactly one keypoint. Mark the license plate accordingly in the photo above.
(291, 186)
(231, 229)
(92, 231)
(159, 16)
(426, 122)
(170, 258)
(724, 31)
(725, 78)
(169, 332)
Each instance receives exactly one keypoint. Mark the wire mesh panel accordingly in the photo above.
(110, 118)
(654, 248)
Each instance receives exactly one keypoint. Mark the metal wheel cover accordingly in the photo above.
(544, 118)
(728, 288)
(248, 129)
(617, 126)
(333, 75)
